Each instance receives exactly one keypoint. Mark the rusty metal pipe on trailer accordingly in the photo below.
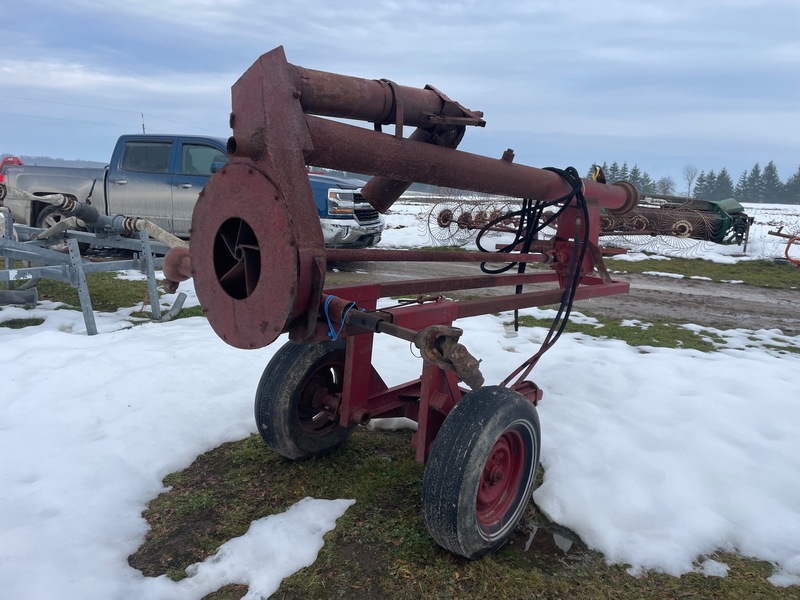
(346, 147)
(347, 255)
(378, 101)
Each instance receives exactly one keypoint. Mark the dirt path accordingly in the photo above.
(652, 298)
(721, 305)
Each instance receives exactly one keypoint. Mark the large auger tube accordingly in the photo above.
(257, 252)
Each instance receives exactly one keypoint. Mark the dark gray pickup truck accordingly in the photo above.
(158, 178)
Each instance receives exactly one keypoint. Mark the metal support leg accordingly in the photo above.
(148, 267)
(79, 282)
(8, 226)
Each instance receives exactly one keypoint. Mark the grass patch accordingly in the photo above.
(108, 293)
(21, 323)
(191, 311)
(380, 547)
(760, 273)
(783, 349)
(660, 335)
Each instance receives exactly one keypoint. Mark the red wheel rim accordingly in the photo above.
(502, 476)
(318, 398)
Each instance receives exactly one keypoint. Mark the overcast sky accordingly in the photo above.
(714, 83)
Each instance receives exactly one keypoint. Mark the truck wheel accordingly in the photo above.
(294, 398)
(49, 216)
(480, 473)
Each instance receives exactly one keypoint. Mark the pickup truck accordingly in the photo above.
(158, 177)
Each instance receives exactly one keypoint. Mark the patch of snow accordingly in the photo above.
(660, 274)
(714, 568)
(259, 558)
(654, 459)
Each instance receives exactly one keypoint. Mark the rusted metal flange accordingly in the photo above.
(244, 257)
(631, 198)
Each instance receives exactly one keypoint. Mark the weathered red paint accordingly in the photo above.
(257, 253)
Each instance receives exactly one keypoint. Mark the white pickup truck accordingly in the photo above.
(158, 178)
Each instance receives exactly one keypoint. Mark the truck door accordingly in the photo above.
(197, 161)
(140, 185)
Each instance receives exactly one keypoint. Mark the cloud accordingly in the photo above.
(59, 76)
(699, 76)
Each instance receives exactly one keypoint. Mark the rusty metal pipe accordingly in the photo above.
(371, 100)
(384, 191)
(446, 284)
(374, 322)
(346, 255)
(349, 148)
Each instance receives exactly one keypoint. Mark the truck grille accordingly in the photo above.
(365, 215)
(362, 210)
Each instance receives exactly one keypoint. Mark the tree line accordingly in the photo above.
(753, 185)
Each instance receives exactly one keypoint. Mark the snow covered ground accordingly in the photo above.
(655, 458)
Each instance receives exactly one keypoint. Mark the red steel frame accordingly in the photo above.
(428, 399)
(259, 215)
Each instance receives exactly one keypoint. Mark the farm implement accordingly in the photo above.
(259, 265)
(791, 239)
(460, 217)
(55, 253)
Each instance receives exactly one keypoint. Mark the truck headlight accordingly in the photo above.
(340, 203)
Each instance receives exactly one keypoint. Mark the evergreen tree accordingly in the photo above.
(754, 185)
(635, 177)
(612, 174)
(700, 186)
(724, 186)
(771, 186)
(791, 191)
(648, 185)
(711, 186)
(741, 192)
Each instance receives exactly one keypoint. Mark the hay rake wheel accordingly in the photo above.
(444, 225)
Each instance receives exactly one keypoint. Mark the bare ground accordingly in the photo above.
(720, 305)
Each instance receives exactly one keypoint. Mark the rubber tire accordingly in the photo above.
(457, 466)
(48, 212)
(51, 211)
(280, 399)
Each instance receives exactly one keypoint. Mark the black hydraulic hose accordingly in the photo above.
(580, 246)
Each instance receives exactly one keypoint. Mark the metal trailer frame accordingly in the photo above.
(69, 267)
(259, 266)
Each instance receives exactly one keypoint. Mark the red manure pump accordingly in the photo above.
(259, 264)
